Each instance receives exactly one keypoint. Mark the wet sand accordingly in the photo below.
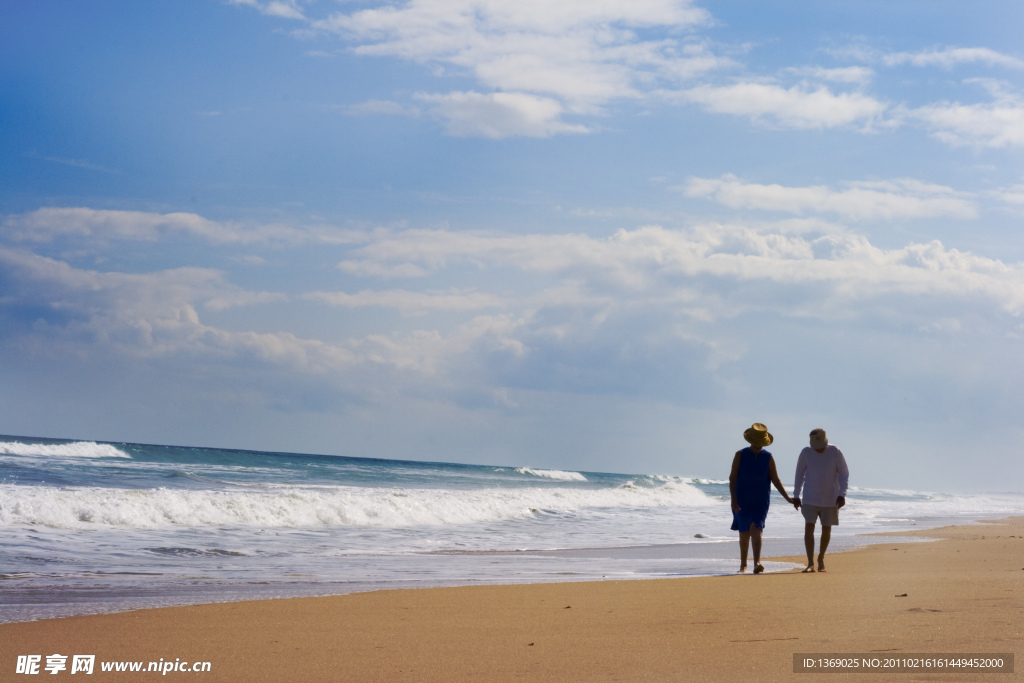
(962, 594)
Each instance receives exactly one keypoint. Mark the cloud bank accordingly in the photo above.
(678, 281)
(889, 200)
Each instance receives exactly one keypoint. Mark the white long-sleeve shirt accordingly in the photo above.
(823, 477)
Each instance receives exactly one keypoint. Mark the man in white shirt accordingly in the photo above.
(822, 475)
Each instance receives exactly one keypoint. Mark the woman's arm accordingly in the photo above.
(778, 482)
(733, 476)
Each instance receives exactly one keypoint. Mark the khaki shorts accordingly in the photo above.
(828, 516)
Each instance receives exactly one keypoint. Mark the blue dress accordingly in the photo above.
(753, 490)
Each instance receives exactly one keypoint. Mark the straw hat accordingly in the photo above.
(758, 435)
(818, 438)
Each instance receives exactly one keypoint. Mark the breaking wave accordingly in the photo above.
(296, 507)
(552, 474)
(73, 449)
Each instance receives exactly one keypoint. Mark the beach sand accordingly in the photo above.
(963, 594)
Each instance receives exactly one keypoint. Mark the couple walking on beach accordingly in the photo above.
(821, 473)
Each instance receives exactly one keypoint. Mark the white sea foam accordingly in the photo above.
(895, 493)
(689, 480)
(552, 474)
(938, 505)
(76, 449)
(294, 507)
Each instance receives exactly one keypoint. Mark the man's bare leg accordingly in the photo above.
(826, 534)
(755, 540)
(744, 544)
(809, 545)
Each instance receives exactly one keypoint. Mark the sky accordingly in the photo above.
(597, 235)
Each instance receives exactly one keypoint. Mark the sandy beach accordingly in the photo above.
(961, 594)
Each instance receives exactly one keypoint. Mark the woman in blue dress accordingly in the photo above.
(753, 472)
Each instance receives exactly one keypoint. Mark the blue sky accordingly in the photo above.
(580, 235)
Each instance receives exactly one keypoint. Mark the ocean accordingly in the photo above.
(89, 527)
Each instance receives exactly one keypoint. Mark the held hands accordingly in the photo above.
(735, 506)
(840, 502)
(795, 502)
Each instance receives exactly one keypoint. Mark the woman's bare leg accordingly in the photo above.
(744, 544)
(755, 540)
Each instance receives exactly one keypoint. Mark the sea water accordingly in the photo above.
(99, 527)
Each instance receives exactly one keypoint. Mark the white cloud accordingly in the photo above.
(893, 199)
(47, 224)
(500, 115)
(373, 269)
(637, 264)
(427, 251)
(411, 302)
(166, 294)
(75, 163)
(1010, 195)
(249, 259)
(43, 225)
(286, 9)
(373, 107)
(233, 299)
(578, 50)
(949, 57)
(155, 315)
(795, 107)
(142, 315)
(995, 125)
(857, 75)
(534, 59)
